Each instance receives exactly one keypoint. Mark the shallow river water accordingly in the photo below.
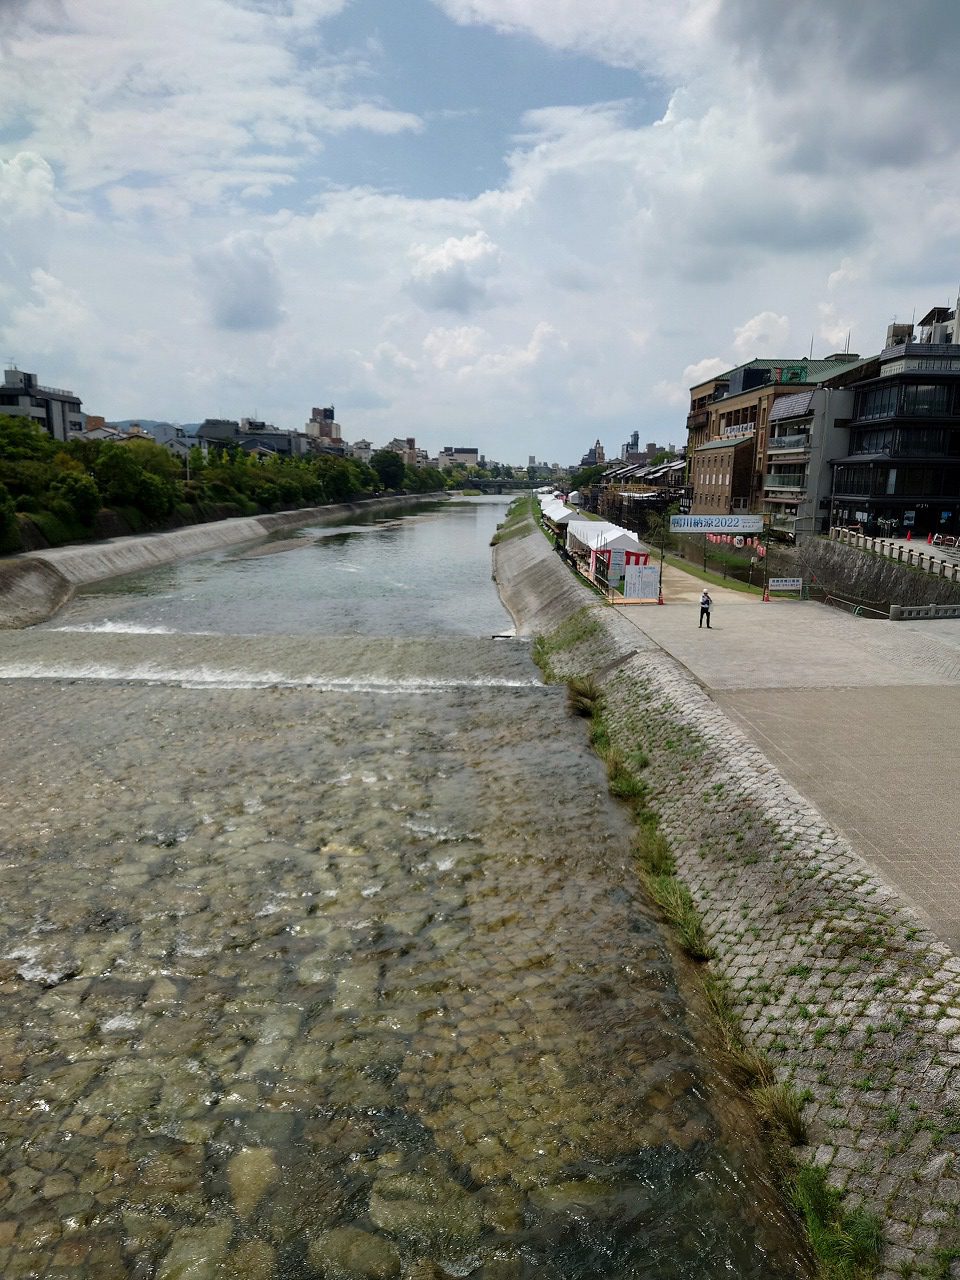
(322, 953)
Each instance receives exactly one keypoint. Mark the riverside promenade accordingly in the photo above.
(860, 715)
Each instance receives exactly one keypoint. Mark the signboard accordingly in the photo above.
(641, 582)
(785, 584)
(790, 373)
(716, 524)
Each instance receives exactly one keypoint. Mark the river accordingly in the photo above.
(322, 951)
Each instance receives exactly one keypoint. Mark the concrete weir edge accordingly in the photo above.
(36, 584)
(849, 995)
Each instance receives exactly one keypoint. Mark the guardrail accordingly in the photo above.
(852, 606)
(944, 563)
(908, 612)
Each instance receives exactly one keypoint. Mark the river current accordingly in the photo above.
(322, 950)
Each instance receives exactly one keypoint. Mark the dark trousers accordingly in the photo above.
(705, 613)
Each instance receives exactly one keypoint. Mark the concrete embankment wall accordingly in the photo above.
(861, 575)
(850, 996)
(35, 585)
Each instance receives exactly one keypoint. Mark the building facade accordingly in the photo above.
(721, 475)
(737, 404)
(58, 411)
(901, 471)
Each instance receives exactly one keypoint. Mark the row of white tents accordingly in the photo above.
(584, 535)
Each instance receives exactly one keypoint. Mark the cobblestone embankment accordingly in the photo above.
(852, 999)
(35, 585)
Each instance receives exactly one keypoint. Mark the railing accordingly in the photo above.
(780, 482)
(58, 391)
(927, 561)
(788, 442)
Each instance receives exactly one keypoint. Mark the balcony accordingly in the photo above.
(698, 419)
(788, 442)
(796, 483)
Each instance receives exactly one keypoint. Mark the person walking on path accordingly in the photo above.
(705, 605)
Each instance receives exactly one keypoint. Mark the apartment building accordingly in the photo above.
(58, 411)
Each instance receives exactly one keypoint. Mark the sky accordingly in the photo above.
(519, 225)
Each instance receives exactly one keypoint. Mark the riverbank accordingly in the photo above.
(852, 999)
(36, 584)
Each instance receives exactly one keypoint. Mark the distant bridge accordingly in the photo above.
(499, 486)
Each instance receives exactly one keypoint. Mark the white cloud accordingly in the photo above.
(763, 334)
(454, 276)
(240, 283)
(172, 248)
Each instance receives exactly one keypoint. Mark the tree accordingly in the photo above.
(80, 493)
(9, 528)
(389, 467)
(22, 439)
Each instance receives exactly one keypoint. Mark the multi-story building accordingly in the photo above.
(360, 450)
(736, 405)
(901, 470)
(721, 475)
(253, 436)
(323, 428)
(808, 431)
(457, 455)
(56, 410)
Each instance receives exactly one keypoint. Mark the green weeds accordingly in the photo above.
(847, 1244)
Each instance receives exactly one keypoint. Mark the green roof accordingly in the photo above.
(817, 370)
(724, 442)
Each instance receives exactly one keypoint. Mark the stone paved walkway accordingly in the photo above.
(862, 716)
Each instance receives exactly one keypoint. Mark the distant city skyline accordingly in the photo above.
(505, 221)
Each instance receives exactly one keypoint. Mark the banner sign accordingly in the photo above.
(785, 584)
(716, 524)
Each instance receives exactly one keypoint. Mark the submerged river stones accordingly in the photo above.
(368, 990)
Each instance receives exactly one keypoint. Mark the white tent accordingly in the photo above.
(599, 535)
(574, 497)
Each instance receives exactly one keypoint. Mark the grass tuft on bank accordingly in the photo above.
(847, 1243)
(519, 521)
(578, 627)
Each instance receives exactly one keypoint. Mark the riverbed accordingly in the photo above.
(323, 953)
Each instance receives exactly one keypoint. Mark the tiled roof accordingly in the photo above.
(792, 406)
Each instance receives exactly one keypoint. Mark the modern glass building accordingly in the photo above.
(902, 471)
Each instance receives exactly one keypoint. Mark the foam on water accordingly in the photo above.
(214, 678)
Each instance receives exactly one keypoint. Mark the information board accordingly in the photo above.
(785, 584)
(716, 524)
(641, 582)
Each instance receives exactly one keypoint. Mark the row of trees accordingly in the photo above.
(60, 490)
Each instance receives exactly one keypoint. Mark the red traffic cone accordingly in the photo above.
(660, 596)
(929, 539)
(766, 596)
(909, 535)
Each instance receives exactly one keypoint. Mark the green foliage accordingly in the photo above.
(80, 493)
(583, 696)
(9, 525)
(674, 900)
(847, 1244)
(517, 523)
(781, 1107)
(572, 631)
(588, 476)
(389, 467)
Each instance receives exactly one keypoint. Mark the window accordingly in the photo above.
(925, 400)
(876, 402)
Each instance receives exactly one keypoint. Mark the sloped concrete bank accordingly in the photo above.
(850, 997)
(864, 575)
(35, 585)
